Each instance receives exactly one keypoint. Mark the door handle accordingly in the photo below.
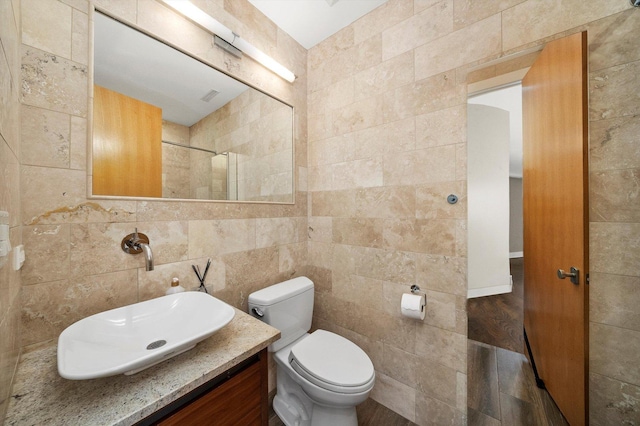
(574, 275)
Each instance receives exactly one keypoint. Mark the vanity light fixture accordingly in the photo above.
(233, 41)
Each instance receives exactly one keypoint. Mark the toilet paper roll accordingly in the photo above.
(413, 305)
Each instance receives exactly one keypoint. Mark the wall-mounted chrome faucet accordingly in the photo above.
(138, 243)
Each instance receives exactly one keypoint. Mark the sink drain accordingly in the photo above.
(157, 344)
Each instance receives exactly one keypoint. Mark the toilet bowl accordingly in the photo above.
(321, 376)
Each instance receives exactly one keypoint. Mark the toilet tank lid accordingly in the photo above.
(282, 291)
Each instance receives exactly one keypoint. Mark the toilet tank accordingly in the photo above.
(287, 306)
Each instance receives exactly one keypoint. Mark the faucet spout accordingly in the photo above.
(148, 256)
(138, 243)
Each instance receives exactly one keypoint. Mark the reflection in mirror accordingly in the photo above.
(167, 125)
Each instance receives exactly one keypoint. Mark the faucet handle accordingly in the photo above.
(131, 243)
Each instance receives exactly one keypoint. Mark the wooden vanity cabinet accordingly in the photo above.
(237, 397)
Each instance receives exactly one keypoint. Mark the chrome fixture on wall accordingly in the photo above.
(228, 39)
(138, 243)
(635, 3)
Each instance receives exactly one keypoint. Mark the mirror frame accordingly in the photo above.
(90, 81)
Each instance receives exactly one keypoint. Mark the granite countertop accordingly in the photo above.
(40, 396)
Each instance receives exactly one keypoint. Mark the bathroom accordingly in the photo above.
(379, 142)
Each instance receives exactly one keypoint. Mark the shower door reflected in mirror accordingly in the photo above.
(220, 139)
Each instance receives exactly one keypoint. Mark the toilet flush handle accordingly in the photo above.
(257, 312)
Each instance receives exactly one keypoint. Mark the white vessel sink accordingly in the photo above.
(132, 338)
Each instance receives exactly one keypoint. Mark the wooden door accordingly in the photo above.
(555, 221)
(127, 146)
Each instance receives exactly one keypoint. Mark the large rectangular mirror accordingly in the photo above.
(166, 125)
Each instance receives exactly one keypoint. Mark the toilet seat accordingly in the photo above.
(332, 362)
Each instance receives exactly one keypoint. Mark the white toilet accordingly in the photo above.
(321, 376)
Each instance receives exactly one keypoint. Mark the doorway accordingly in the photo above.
(555, 224)
(501, 384)
(495, 297)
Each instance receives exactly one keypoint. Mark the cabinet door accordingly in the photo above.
(236, 402)
(127, 146)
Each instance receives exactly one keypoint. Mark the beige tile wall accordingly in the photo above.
(387, 144)
(258, 129)
(175, 160)
(387, 141)
(10, 281)
(75, 266)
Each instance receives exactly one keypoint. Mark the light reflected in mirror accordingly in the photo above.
(169, 126)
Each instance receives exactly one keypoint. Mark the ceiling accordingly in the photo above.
(311, 21)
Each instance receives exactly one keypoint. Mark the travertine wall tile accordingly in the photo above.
(615, 196)
(422, 27)
(614, 300)
(394, 202)
(421, 166)
(431, 201)
(332, 150)
(477, 41)
(52, 82)
(46, 253)
(614, 143)
(385, 140)
(221, 236)
(613, 352)
(614, 248)
(401, 365)
(46, 25)
(125, 10)
(381, 18)
(437, 381)
(367, 291)
(78, 146)
(52, 195)
(277, 231)
(334, 203)
(612, 402)
(612, 92)
(441, 127)
(609, 41)
(467, 12)
(395, 395)
(390, 74)
(81, 5)
(46, 137)
(536, 19)
(442, 346)
(292, 259)
(359, 232)
(388, 265)
(419, 235)
(80, 37)
(9, 351)
(10, 280)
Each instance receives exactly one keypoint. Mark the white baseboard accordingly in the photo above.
(516, 254)
(490, 291)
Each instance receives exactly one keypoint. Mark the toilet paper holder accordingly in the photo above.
(415, 289)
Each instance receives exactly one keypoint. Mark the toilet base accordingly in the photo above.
(323, 416)
(291, 404)
(293, 411)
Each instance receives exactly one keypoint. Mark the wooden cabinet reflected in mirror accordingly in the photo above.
(211, 137)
